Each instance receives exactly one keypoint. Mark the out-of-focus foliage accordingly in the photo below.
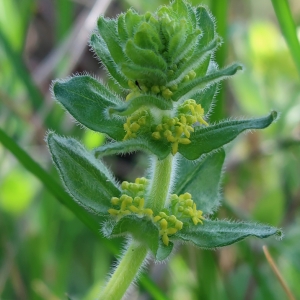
(45, 252)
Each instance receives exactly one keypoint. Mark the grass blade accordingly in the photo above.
(22, 72)
(288, 28)
(219, 9)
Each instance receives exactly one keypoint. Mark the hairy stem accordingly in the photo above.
(160, 183)
(131, 262)
(125, 273)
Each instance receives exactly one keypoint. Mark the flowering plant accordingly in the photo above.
(163, 80)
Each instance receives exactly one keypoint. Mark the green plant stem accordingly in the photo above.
(160, 183)
(125, 272)
(136, 253)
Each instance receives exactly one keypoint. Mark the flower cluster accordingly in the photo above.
(177, 130)
(134, 123)
(132, 201)
(168, 225)
(185, 207)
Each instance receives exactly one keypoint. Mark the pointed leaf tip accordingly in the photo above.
(207, 139)
(219, 233)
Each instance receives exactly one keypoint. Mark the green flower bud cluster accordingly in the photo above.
(168, 225)
(174, 130)
(192, 111)
(184, 207)
(156, 52)
(132, 201)
(157, 61)
(177, 130)
(135, 122)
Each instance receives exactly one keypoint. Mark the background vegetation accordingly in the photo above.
(47, 253)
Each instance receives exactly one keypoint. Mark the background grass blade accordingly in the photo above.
(288, 28)
(22, 72)
(219, 9)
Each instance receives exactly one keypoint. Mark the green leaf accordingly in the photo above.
(147, 37)
(201, 180)
(141, 229)
(177, 39)
(207, 139)
(136, 103)
(144, 57)
(136, 72)
(180, 7)
(189, 88)
(206, 23)
(219, 233)
(123, 35)
(194, 61)
(87, 100)
(86, 179)
(163, 251)
(99, 47)
(148, 144)
(206, 97)
(192, 15)
(132, 20)
(189, 44)
(107, 28)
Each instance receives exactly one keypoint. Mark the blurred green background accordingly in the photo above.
(47, 253)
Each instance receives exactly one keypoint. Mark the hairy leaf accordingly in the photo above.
(86, 179)
(163, 251)
(108, 30)
(206, 23)
(195, 61)
(147, 100)
(123, 34)
(136, 72)
(132, 19)
(99, 47)
(180, 7)
(201, 180)
(159, 148)
(206, 97)
(199, 83)
(189, 44)
(144, 57)
(219, 233)
(148, 38)
(87, 100)
(207, 139)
